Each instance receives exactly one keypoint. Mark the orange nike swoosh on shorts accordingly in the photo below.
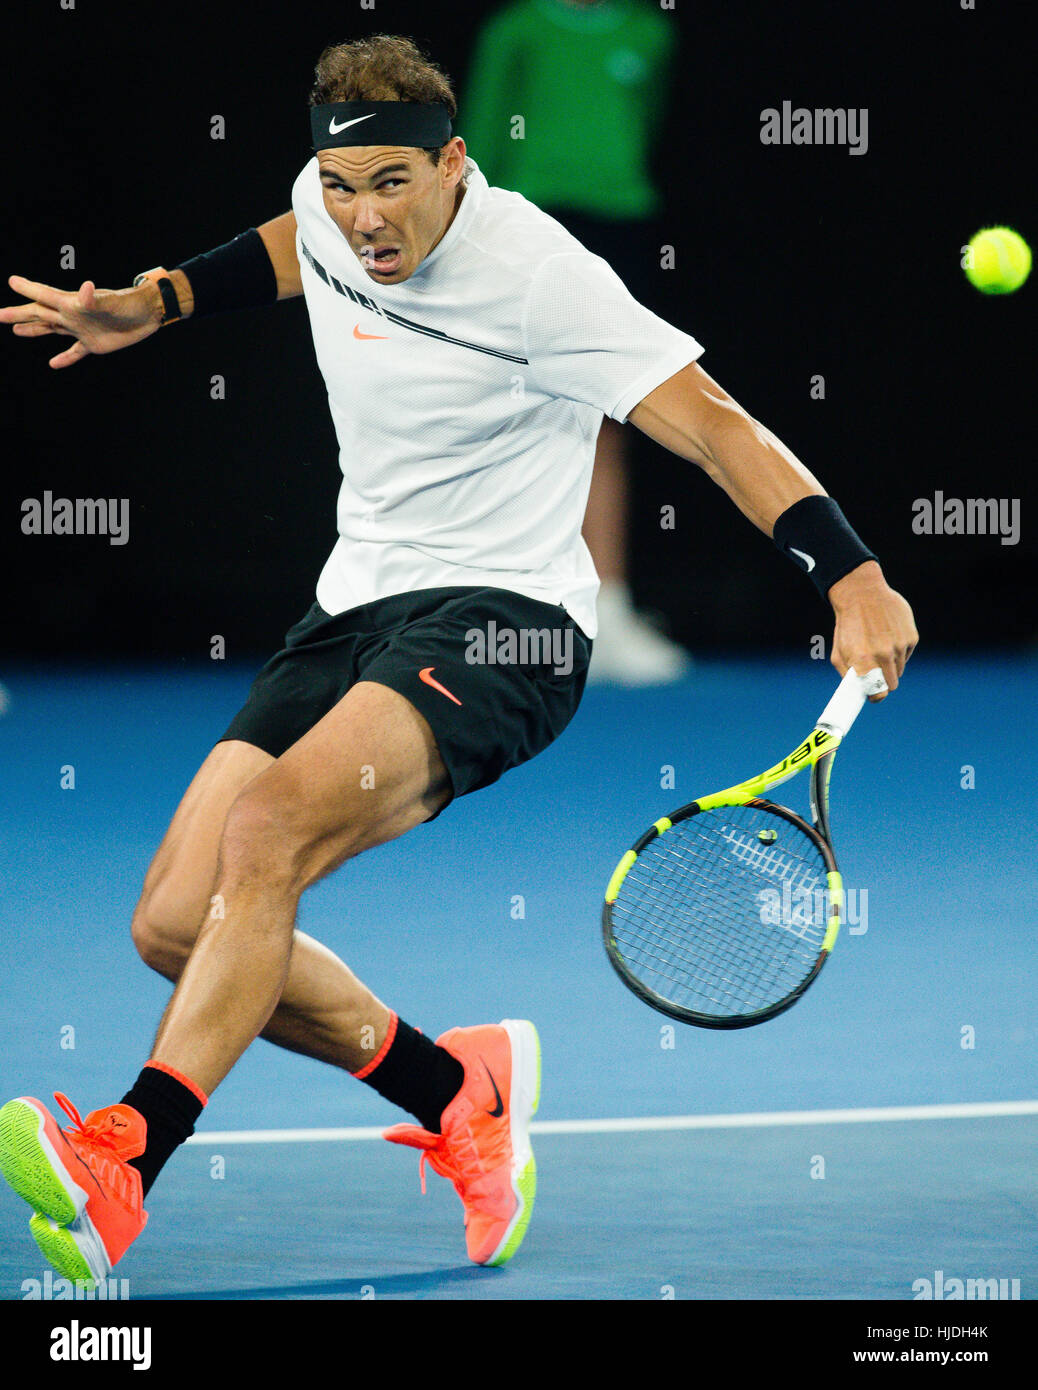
(426, 675)
(358, 334)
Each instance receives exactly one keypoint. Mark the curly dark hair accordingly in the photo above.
(385, 67)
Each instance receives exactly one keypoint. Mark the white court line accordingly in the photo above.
(639, 1125)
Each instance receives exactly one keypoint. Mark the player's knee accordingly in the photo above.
(263, 843)
(163, 933)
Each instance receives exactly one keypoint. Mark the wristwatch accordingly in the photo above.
(170, 303)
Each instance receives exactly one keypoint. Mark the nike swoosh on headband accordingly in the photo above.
(807, 559)
(334, 129)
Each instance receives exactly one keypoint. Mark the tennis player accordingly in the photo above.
(470, 347)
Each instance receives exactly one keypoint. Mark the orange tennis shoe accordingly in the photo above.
(484, 1147)
(86, 1197)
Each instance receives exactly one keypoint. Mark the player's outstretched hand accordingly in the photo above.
(99, 320)
(874, 625)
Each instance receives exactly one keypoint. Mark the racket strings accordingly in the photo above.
(718, 920)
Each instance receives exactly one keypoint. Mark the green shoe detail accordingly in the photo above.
(25, 1165)
(527, 1179)
(61, 1251)
(528, 1190)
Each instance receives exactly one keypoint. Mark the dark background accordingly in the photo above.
(790, 262)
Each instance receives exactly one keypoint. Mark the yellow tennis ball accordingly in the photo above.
(997, 260)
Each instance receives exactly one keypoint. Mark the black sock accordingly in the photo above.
(416, 1074)
(170, 1109)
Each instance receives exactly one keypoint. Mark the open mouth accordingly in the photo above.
(381, 260)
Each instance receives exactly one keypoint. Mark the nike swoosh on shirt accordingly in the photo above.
(808, 561)
(334, 129)
(366, 302)
(358, 334)
(426, 675)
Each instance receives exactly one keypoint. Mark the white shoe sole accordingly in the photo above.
(523, 1098)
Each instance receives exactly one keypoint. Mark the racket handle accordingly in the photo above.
(851, 694)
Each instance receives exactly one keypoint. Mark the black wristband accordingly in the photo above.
(170, 302)
(237, 275)
(816, 536)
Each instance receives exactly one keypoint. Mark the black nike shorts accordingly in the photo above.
(497, 675)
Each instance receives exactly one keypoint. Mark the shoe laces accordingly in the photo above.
(96, 1134)
(455, 1157)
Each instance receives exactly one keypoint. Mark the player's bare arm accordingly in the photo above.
(691, 415)
(103, 321)
(279, 237)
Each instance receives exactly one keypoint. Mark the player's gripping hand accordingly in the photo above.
(99, 320)
(874, 625)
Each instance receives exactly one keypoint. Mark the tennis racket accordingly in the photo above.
(724, 912)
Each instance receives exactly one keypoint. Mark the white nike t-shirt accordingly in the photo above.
(467, 400)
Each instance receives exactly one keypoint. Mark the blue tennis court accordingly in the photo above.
(880, 1134)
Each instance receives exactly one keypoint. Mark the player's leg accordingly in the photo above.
(322, 999)
(179, 882)
(476, 1088)
(293, 822)
(303, 815)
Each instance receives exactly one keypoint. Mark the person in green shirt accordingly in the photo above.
(564, 102)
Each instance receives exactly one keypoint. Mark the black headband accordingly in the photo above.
(423, 125)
